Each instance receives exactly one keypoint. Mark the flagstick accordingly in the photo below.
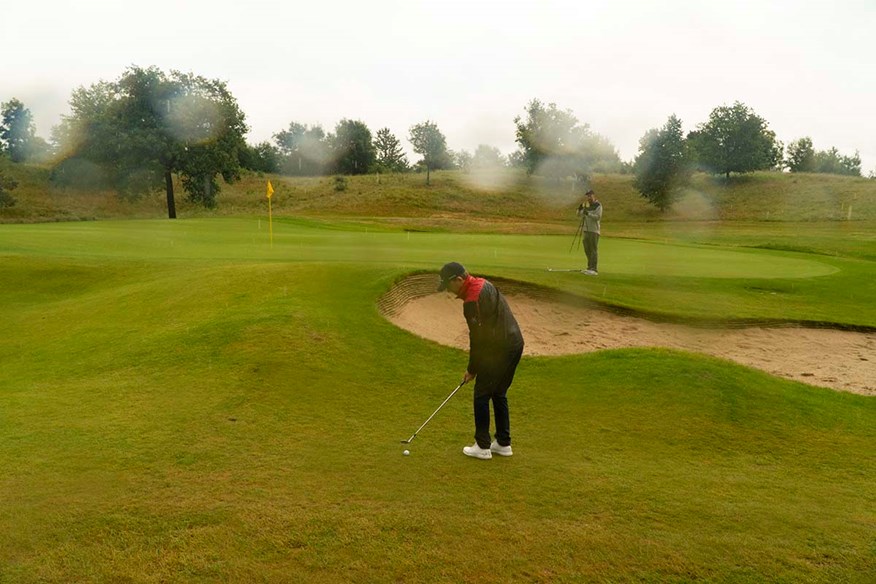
(270, 217)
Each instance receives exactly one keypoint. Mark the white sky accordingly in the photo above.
(623, 66)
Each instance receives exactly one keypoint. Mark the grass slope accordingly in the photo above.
(506, 200)
(179, 402)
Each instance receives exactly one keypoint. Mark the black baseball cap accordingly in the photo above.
(448, 272)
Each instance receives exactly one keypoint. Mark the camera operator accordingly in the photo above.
(591, 212)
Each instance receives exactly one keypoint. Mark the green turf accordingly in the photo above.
(664, 276)
(182, 402)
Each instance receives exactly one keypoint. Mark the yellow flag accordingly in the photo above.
(270, 189)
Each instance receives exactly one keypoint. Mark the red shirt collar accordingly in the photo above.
(464, 288)
(470, 289)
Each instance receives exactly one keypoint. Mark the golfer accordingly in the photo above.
(495, 347)
(591, 211)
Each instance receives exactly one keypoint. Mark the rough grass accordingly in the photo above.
(456, 201)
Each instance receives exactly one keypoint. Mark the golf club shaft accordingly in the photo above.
(447, 399)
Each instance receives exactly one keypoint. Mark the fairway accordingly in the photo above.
(184, 401)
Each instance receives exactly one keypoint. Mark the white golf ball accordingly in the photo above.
(406, 452)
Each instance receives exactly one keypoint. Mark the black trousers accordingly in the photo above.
(491, 385)
(591, 249)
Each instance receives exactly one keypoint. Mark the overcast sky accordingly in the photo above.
(622, 66)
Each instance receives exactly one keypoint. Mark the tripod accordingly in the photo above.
(579, 233)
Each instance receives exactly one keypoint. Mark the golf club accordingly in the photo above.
(414, 435)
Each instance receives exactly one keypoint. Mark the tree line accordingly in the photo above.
(733, 140)
(135, 133)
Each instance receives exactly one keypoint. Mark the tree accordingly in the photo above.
(146, 126)
(851, 165)
(554, 143)
(832, 162)
(429, 142)
(263, 157)
(547, 139)
(801, 156)
(209, 129)
(460, 160)
(304, 150)
(662, 168)
(390, 156)
(599, 154)
(83, 139)
(487, 158)
(115, 135)
(352, 148)
(17, 132)
(517, 159)
(735, 139)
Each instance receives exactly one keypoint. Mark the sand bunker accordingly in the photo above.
(841, 360)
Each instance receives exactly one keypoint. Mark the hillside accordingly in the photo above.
(456, 200)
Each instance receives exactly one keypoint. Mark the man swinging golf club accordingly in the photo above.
(495, 347)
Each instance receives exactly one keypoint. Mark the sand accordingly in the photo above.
(840, 360)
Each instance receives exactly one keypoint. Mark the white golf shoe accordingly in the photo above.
(476, 451)
(500, 450)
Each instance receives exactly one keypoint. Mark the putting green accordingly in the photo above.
(639, 257)
(248, 239)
